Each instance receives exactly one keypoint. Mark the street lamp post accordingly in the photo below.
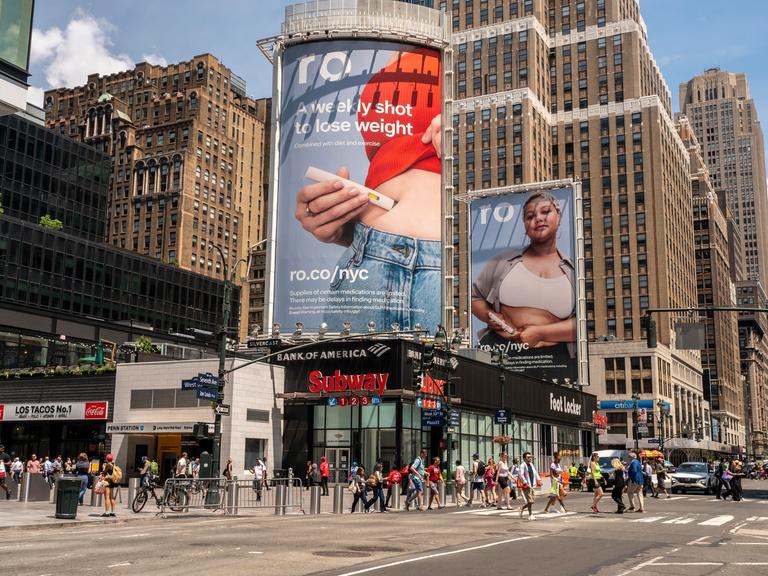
(635, 417)
(498, 357)
(226, 311)
(662, 417)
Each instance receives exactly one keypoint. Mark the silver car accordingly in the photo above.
(693, 476)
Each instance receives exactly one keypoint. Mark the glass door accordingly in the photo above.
(338, 464)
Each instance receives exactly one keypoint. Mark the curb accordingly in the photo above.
(75, 522)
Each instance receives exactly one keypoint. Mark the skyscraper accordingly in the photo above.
(187, 149)
(726, 122)
(549, 90)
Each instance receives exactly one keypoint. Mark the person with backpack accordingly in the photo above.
(478, 483)
(315, 475)
(144, 472)
(416, 476)
(376, 482)
(112, 475)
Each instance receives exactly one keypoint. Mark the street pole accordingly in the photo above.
(636, 417)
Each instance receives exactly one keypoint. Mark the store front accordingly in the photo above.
(56, 415)
(355, 401)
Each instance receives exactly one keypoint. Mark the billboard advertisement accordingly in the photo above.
(524, 281)
(357, 226)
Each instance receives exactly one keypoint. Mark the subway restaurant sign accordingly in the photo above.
(54, 411)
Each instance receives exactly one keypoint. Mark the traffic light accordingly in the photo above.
(427, 356)
(417, 379)
(650, 332)
(200, 430)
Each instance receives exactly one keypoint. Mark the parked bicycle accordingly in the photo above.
(174, 498)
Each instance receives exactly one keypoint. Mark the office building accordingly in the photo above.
(720, 359)
(16, 33)
(571, 90)
(187, 151)
(725, 119)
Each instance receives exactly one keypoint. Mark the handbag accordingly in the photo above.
(99, 487)
(353, 487)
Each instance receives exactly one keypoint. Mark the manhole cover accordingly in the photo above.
(375, 549)
(340, 554)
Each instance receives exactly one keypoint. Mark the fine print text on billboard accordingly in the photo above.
(524, 281)
(358, 225)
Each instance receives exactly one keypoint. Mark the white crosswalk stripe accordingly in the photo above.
(717, 520)
(650, 519)
(679, 520)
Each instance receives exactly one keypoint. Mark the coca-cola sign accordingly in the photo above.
(97, 410)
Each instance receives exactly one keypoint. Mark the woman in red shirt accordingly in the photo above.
(435, 479)
(394, 478)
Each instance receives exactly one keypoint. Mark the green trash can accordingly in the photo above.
(67, 493)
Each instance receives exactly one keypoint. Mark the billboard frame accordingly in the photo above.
(380, 20)
(578, 224)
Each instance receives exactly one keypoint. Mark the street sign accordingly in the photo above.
(343, 401)
(653, 441)
(426, 403)
(642, 429)
(501, 416)
(376, 400)
(454, 417)
(222, 409)
(208, 380)
(332, 401)
(206, 393)
(190, 384)
(438, 421)
(270, 343)
(431, 413)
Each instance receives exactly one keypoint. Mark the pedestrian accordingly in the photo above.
(435, 481)
(58, 466)
(181, 466)
(648, 479)
(227, 471)
(573, 472)
(378, 488)
(259, 476)
(722, 483)
(308, 475)
(635, 483)
(478, 480)
(661, 478)
(69, 466)
(352, 471)
(556, 488)
(394, 478)
(416, 477)
(582, 476)
(619, 484)
(514, 473)
(17, 469)
(489, 479)
(357, 487)
(459, 484)
(33, 465)
(405, 479)
(737, 473)
(502, 481)
(144, 472)
(595, 481)
(325, 473)
(528, 480)
(82, 470)
(5, 472)
(108, 475)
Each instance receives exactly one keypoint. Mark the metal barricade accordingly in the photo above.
(182, 495)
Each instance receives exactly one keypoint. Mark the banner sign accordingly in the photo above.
(359, 186)
(525, 281)
(629, 404)
(150, 428)
(54, 411)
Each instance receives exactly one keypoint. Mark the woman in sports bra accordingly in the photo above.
(528, 296)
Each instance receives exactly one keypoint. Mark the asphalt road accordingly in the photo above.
(688, 534)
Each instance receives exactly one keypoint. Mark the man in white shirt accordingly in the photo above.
(181, 466)
(259, 475)
(529, 478)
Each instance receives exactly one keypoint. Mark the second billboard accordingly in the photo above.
(525, 282)
(358, 215)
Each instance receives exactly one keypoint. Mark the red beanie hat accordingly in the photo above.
(412, 79)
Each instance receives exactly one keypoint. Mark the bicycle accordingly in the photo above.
(175, 499)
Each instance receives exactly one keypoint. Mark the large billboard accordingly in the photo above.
(357, 229)
(525, 281)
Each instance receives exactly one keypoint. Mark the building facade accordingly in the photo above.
(548, 90)
(725, 119)
(187, 158)
(16, 32)
(720, 357)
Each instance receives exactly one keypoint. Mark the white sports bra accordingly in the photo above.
(523, 288)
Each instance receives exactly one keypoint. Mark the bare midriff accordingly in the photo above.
(520, 316)
(418, 210)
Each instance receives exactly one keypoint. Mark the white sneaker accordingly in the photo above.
(531, 518)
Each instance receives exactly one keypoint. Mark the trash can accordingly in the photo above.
(67, 494)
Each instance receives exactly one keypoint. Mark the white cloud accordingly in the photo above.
(35, 96)
(154, 59)
(84, 47)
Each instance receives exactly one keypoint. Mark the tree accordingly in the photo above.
(51, 223)
(144, 344)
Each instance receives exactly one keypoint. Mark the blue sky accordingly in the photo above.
(78, 36)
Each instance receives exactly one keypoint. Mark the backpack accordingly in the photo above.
(154, 469)
(316, 476)
(480, 469)
(117, 474)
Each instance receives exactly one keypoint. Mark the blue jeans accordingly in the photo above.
(83, 486)
(413, 493)
(399, 277)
